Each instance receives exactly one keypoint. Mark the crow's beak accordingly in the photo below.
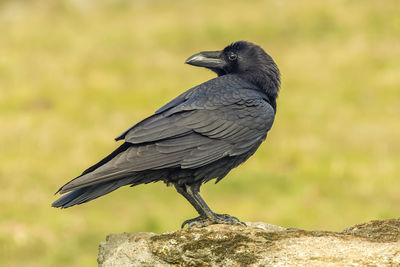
(209, 59)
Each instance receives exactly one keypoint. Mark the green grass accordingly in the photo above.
(74, 75)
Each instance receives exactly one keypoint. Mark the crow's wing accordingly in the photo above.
(197, 131)
(173, 103)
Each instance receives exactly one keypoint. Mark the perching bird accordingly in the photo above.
(200, 135)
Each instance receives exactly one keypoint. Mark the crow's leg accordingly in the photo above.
(183, 191)
(207, 216)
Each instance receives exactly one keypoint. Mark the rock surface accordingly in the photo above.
(376, 243)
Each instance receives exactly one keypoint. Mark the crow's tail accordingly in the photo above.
(88, 193)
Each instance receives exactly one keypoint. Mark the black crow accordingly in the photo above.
(200, 135)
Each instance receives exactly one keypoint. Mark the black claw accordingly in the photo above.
(183, 224)
(187, 222)
(230, 219)
(197, 222)
(216, 219)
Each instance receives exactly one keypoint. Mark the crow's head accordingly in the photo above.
(245, 59)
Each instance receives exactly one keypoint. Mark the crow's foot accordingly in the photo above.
(203, 221)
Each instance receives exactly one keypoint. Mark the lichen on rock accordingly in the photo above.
(372, 243)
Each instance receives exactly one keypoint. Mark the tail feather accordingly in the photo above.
(120, 149)
(86, 194)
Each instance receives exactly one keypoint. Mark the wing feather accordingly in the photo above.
(191, 131)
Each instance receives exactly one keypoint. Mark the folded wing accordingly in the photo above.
(193, 133)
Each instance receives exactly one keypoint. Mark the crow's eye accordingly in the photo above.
(232, 56)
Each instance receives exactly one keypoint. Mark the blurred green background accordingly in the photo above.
(75, 74)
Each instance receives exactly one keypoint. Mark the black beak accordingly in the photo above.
(209, 59)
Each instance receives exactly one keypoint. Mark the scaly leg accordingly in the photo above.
(207, 216)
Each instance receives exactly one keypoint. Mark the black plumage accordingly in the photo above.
(200, 135)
